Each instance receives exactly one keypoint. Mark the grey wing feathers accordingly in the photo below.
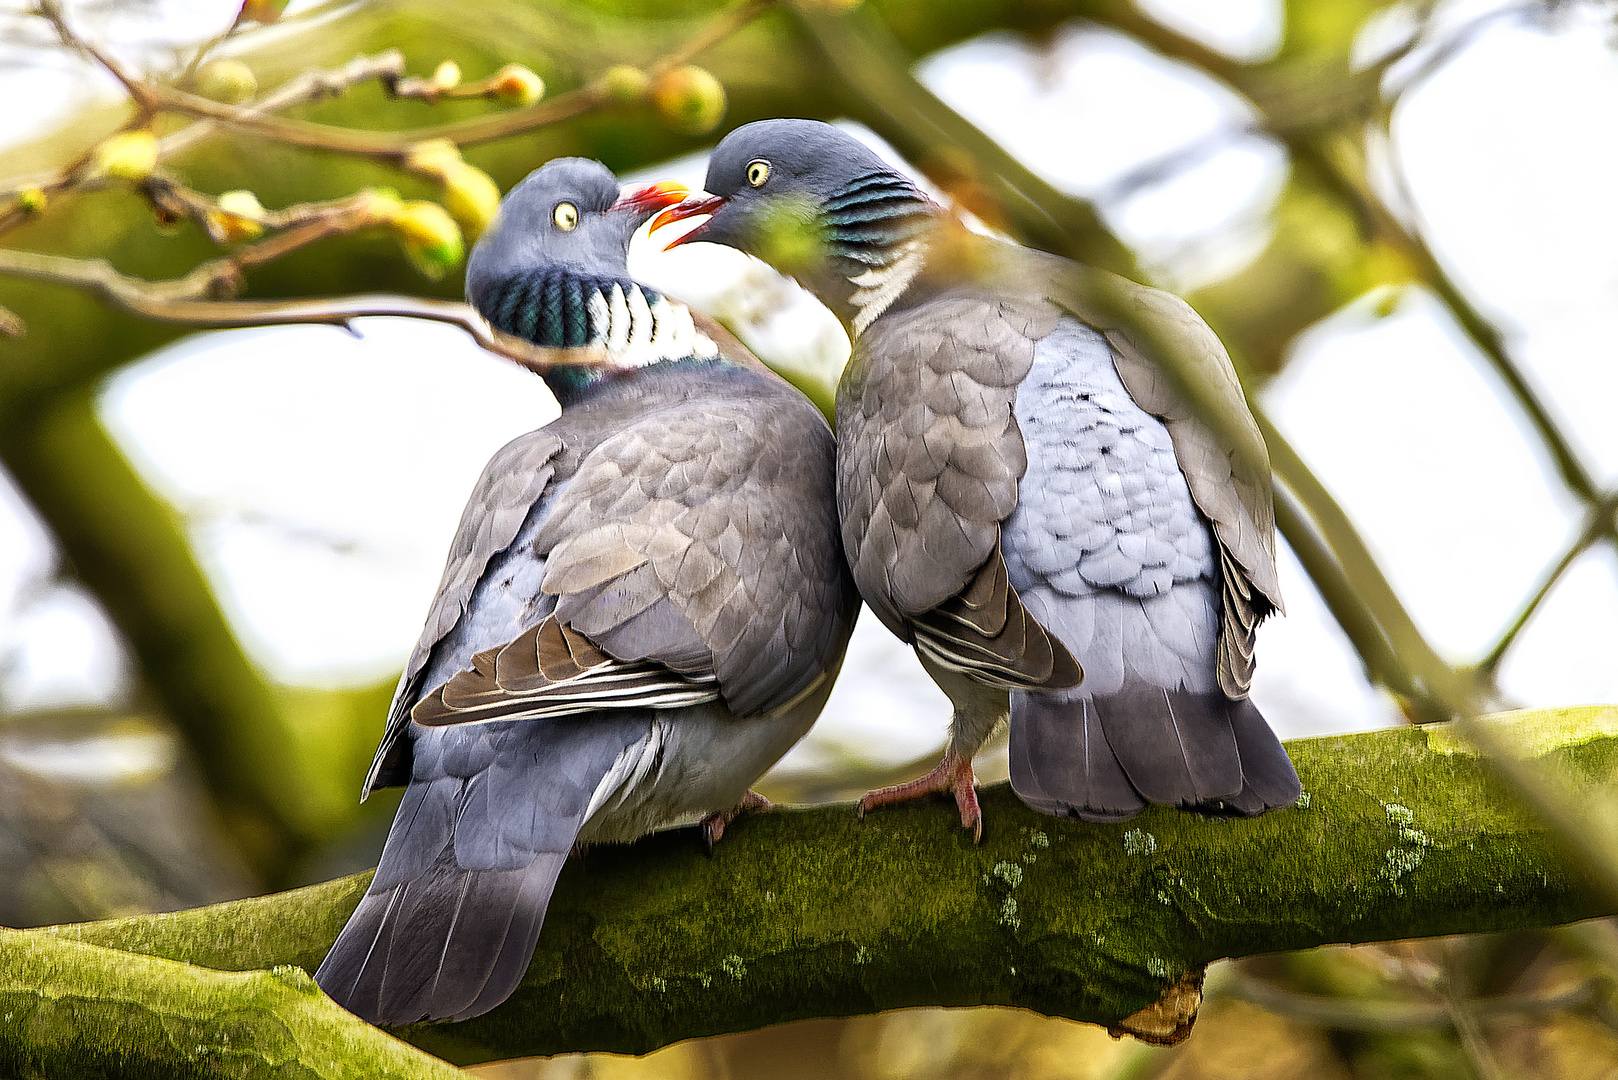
(685, 558)
(447, 927)
(511, 485)
(708, 551)
(986, 632)
(1231, 484)
(929, 460)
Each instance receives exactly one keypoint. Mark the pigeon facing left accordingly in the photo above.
(1022, 491)
(644, 607)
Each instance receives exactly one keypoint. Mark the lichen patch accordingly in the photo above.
(1008, 872)
(1008, 913)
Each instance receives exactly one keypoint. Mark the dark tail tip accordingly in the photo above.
(446, 945)
(1061, 763)
(1104, 759)
(1269, 782)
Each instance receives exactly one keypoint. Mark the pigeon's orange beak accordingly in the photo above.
(652, 197)
(691, 206)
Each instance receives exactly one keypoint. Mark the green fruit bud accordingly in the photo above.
(31, 200)
(261, 11)
(517, 85)
(689, 99)
(429, 237)
(239, 216)
(447, 75)
(433, 157)
(625, 84)
(230, 81)
(128, 155)
(471, 196)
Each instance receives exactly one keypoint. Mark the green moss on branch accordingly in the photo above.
(68, 1009)
(806, 913)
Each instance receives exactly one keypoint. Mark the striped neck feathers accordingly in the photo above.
(878, 227)
(555, 307)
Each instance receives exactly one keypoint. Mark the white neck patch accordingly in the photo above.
(877, 288)
(638, 333)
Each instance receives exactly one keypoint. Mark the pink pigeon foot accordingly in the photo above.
(713, 826)
(952, 775)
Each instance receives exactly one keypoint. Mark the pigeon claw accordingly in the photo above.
(713, 826)
(952, 775)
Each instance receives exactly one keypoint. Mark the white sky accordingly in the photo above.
(323, 475)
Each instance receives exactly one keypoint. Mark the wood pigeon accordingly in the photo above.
(644, 607)
(1023, 492)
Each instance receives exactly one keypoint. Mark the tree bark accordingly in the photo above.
(813, 913)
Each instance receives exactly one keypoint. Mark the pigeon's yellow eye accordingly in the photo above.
(758, 172)
(566, 216)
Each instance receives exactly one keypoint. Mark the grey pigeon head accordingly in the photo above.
(805, 157)
(565, 215)
(812, 201)
(553, 270)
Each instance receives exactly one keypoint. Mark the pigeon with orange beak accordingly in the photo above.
(1026, 496)
(644, 607)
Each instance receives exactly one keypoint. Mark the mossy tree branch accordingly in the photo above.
(809, 913)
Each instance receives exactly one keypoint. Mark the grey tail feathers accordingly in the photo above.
(448, 926)
(1105, 758)
(445, 945)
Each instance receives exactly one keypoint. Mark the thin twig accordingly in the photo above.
(1357, 621)
(1396, 1016)
(1598, 524)
(179, 301)
(309, 86)
(139, 91)
(720, 27)
(202, 52)
(1435, 679)
(391, 145)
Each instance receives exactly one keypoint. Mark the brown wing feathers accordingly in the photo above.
(930, 463)
(985, 631)
(552, 670)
